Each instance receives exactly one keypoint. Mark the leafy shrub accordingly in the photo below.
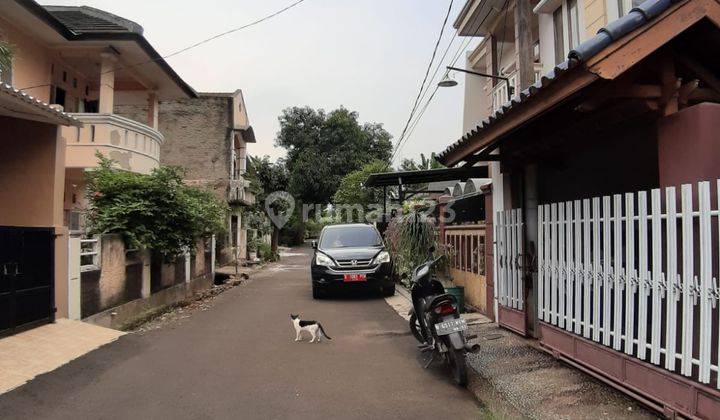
(266, 254)
(293, 233)
(156, 211)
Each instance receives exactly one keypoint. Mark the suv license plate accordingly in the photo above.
(450, 326)
(354, 277)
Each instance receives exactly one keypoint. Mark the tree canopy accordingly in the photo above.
(322, 147)
(265, 178)
(425, 163)
(352, 189)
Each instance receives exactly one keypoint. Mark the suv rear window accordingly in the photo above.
(350, 237)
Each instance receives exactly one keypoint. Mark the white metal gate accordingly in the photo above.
(637, 276)
(509, 257)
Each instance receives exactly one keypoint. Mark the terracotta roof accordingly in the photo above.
(39, 108)
(614, 30)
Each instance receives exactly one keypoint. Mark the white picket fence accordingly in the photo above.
(636, 276)
(509, 258)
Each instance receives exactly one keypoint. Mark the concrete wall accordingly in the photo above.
(688, 146)
(595, 16)
(31, 174)
(622, 159)
(31, 64)
(120, 316)
(35, 67)
(32, 177)
(118, 281)
(125, 277)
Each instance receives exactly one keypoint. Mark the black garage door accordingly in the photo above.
(26, 278)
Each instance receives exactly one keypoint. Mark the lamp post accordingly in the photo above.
(448, 82)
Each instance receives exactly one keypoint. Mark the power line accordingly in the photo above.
(457, 56)
(422, 86)
(400, 142)
(197, 44)
(212, 38)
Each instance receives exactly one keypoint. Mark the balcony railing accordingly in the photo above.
(133, 145)
(239, 192)
(500, 94)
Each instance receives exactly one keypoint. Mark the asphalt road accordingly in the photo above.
(239, 360)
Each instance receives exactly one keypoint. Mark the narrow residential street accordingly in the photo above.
(238, 360)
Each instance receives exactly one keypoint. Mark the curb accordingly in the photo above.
(404, 292)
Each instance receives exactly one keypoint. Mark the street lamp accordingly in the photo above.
(449, 82)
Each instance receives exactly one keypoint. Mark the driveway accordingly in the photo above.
(238, 360)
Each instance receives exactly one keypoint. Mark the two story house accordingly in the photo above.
(89, 62)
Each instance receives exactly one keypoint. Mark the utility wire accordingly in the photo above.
(212, 38)
(197, 44)
(422, 86)
(456, 57)
(401, 141)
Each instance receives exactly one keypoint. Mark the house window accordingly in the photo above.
(573, 23)
(566, 29)
(59, 97)
(620, 8)
(90, 254)
(559, 35)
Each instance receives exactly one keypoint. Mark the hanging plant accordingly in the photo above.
(409, 238)
(6, 55)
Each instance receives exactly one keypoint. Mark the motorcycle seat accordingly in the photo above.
(440, 299)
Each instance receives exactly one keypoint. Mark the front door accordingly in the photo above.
(26, 278)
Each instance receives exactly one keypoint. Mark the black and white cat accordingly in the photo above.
(313, 327)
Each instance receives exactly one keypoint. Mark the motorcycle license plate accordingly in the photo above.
(354, 277)
(450, 326)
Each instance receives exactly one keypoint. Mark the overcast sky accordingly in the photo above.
(366, 55)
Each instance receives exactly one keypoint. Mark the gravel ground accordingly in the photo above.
(540, 387)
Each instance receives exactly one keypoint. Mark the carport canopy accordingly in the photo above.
(401, 178)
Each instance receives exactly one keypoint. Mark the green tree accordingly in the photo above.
(265, 178)
(324, 147)
(352, 189)
(156, 211)
(425, 163)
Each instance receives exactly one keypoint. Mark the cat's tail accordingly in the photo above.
(323, 331)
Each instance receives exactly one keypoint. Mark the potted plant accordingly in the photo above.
(252, 247)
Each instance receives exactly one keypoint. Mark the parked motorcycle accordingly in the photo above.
(436, 323)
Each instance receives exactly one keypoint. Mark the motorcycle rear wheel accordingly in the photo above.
(415, 328)
(458, 366)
